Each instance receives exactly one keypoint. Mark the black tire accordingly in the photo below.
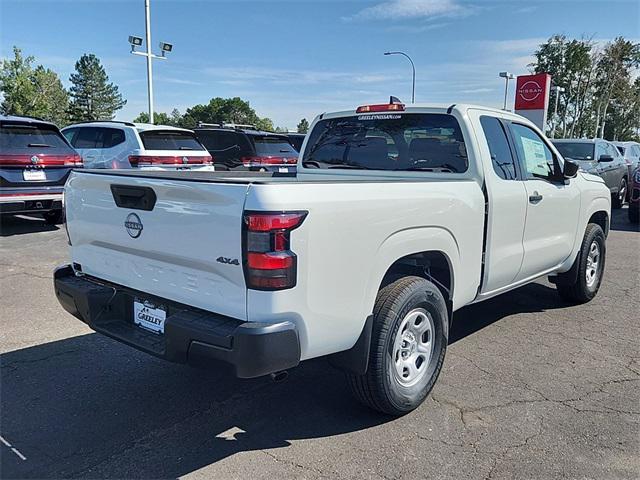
(582, 291)
(618, 199)
(380, 388)
(54, 217)
(634, 214)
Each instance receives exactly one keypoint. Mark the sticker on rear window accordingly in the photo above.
(379, 117)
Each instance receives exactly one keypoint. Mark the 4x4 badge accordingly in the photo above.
(228, 261)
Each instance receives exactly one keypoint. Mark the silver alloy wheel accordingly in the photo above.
(413, 347)
(593, 262)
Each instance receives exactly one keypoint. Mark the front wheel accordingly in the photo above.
(408, 345)
(619, 198)
(590, 267)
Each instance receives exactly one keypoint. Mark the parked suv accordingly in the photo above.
(245, 148)
(601, 158)
(137, 145)
(631, 153)
(35, 161)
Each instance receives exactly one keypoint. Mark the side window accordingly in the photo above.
(635, 151)
(601, 149)
(69, 134)
(87, 138)
(111, 137)
(501, 156)
(613, 151)
(536, 158)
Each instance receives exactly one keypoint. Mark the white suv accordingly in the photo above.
(111, 144)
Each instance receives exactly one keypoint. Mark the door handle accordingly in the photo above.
(535, 198)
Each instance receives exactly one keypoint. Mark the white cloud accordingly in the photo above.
(411, 9)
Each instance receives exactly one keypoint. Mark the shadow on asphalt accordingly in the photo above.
(20, 225)
(620, 221)
(88, 406)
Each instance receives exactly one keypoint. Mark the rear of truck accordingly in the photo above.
(262, 271)
(158, 264)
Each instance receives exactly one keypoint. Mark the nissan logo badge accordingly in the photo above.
(133, 224)
(34, 159)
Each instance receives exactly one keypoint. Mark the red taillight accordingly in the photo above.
(384, 107)
(46, 160)
(268, 160)
(269, 262)
(137, 160)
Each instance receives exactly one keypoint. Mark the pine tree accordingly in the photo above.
(303, 126)
(92, 96)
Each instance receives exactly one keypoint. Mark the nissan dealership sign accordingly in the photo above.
(532, 97)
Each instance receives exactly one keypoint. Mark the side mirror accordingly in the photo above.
(570, 169)
(605, 158)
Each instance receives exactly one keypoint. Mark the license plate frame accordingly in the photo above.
(149, 316)
(34, 175)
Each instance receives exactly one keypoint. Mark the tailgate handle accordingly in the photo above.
(135, 198)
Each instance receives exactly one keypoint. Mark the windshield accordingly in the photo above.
(397, 142)
(29, 137)
(576, 151)
(274, 146)
(168, 140)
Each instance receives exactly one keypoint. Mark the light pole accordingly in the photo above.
(413, 68)
(507, 76)
(558, 90)
(164, 48)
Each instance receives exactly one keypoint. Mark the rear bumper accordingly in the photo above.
(30, 200)
(194, 336)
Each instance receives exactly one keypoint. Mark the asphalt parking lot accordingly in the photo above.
(531, 388)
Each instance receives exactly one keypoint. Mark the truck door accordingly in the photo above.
(553, 204)
(507, 203)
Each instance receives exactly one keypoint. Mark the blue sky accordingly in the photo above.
(296, 59)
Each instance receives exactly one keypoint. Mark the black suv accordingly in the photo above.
(236, 148)
(35, 161)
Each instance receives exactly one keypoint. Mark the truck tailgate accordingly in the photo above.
(186, 248)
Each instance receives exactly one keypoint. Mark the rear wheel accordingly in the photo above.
(408, 345)
(619, 198)
(590, 267)
(54, 217)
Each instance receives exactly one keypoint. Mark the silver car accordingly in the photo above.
(599, 157)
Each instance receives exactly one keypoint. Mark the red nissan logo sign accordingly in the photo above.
(532, 91)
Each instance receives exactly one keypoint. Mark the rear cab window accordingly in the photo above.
(169, 140)
(430, 142)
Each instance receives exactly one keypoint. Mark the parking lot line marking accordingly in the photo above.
(13, 449)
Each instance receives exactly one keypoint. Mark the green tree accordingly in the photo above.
(613, 77)
(92, 96)
(159, 118)
(224, 110)
(27, 91)
(303, 126)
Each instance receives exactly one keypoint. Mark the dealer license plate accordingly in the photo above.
(31, 175)
(149, 316)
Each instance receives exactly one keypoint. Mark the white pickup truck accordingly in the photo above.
(397, 217)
